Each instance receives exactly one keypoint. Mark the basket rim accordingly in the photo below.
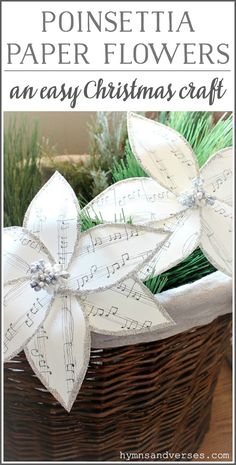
(212, 297)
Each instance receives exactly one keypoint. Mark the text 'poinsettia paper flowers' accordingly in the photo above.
(59, 284)
(194, 204)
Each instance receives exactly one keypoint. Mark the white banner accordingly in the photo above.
(117, 56)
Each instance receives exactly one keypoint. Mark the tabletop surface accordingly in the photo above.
(217, 444)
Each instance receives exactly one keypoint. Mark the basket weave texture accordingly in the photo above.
(143, 398)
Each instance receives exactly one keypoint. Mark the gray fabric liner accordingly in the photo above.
(191, 305)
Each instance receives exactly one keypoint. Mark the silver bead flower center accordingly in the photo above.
(46, 276)
(196, 196)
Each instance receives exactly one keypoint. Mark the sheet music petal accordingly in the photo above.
(139, 199)
(128, 307)
(217, 174)
(23, 312)
(163, 153)
(216, 238)
(185, 231)
(53, 216)
(106, 254)
(59, 352)
(20, 249)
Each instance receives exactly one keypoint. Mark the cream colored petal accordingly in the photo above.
(218, 175)
(163, 153)
(107, 254)
(24, 310)
(59, 352)
(20, 249)
(216, 238)
(184, 239)
(129, 307)
(137, 199)
(53, 216)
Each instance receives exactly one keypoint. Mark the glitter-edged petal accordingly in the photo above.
(217, 174)
(185, 231)
(163, 153)
(24, 310)
(127, 308)
(53, 216)
(107, 254)
(216, 238)
(139, 199)
(59, 352)
(20, 249)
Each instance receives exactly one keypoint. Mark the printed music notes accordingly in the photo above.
(120, 250)
(84, 280)
(134, 303)
(10, 332)
(53, 215)
(9, 335)
(116, 236)
(30, 310)
(58, 352)
(129, 324)
(218, 242)
(139, 199)
(93, 270)
(218, 180)
(178, 186)
(63, 266)
(111, 269)
(136, 295)
(167, 157)
(217, 174)
(29, 320)
(38, 352)
(20, 249)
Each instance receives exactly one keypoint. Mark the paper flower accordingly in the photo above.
(55, 281)
(193, 204)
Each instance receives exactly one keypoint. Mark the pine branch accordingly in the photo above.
(22, 177)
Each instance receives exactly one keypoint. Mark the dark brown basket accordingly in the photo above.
(150, 397)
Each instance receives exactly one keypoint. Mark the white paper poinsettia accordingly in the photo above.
(193, 204)
(59, 284)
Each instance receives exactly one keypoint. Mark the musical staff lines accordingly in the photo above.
(219, 244)
(108, 271)
(217, 181)
(136, 198)
(112, 313)
(16, 325)
(53, 216)
(39, 353)
(39, 220)
(64, 251)
(134, 308)
(16, 262)
(68, 333)
(107, 253)
(97, 242)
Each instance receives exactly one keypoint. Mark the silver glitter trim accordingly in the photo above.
(132, 332)
(156, 125)
(81, 375)
(75, 201)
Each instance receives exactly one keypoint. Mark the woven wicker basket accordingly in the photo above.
(148, 397)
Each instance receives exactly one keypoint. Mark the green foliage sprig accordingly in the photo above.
(22, 176)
